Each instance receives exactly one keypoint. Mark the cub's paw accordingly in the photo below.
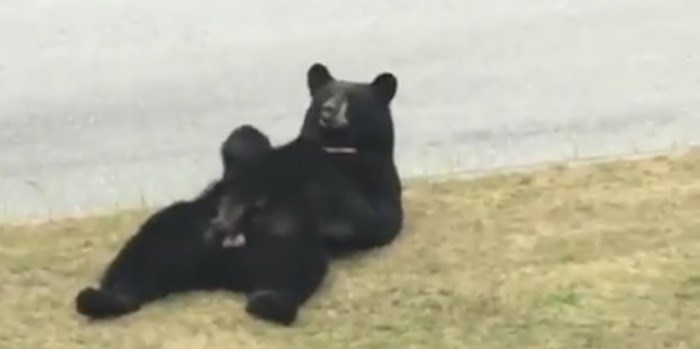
(272, 306)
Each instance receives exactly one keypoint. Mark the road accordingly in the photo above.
(118, 104)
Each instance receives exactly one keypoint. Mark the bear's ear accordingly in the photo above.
(384, 86)
(317, 76)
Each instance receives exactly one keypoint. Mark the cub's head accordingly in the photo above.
(242, 147)
(346, 114)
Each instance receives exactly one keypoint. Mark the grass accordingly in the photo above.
(600, 256)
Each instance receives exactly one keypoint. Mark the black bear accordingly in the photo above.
(175, 251)
(353, 122)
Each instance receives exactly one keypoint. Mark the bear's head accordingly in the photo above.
(244, 145)
(350, 115)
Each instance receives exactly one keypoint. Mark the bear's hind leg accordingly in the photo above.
(360, 224)
(101, 304)
(274, 306)
(284, 277)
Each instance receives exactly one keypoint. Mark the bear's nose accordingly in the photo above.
(327, 112)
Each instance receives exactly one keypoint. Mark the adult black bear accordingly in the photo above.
(352, 199)
(353, 122)
(174, 251)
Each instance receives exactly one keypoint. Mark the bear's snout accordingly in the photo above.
(333, 113)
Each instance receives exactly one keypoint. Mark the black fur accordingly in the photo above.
(243, 145)
(168, 254)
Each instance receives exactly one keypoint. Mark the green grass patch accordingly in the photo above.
(599, 256)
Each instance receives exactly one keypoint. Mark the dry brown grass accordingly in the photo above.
(602, 256)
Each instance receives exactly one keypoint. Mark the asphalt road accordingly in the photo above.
(107, 104)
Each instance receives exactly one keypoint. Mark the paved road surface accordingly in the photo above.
(117, 103)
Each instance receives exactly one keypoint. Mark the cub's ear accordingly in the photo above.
(384, 86)
(317, 76)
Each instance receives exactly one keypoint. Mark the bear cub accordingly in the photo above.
(175, 251)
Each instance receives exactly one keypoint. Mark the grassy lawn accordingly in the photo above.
(599, 256)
